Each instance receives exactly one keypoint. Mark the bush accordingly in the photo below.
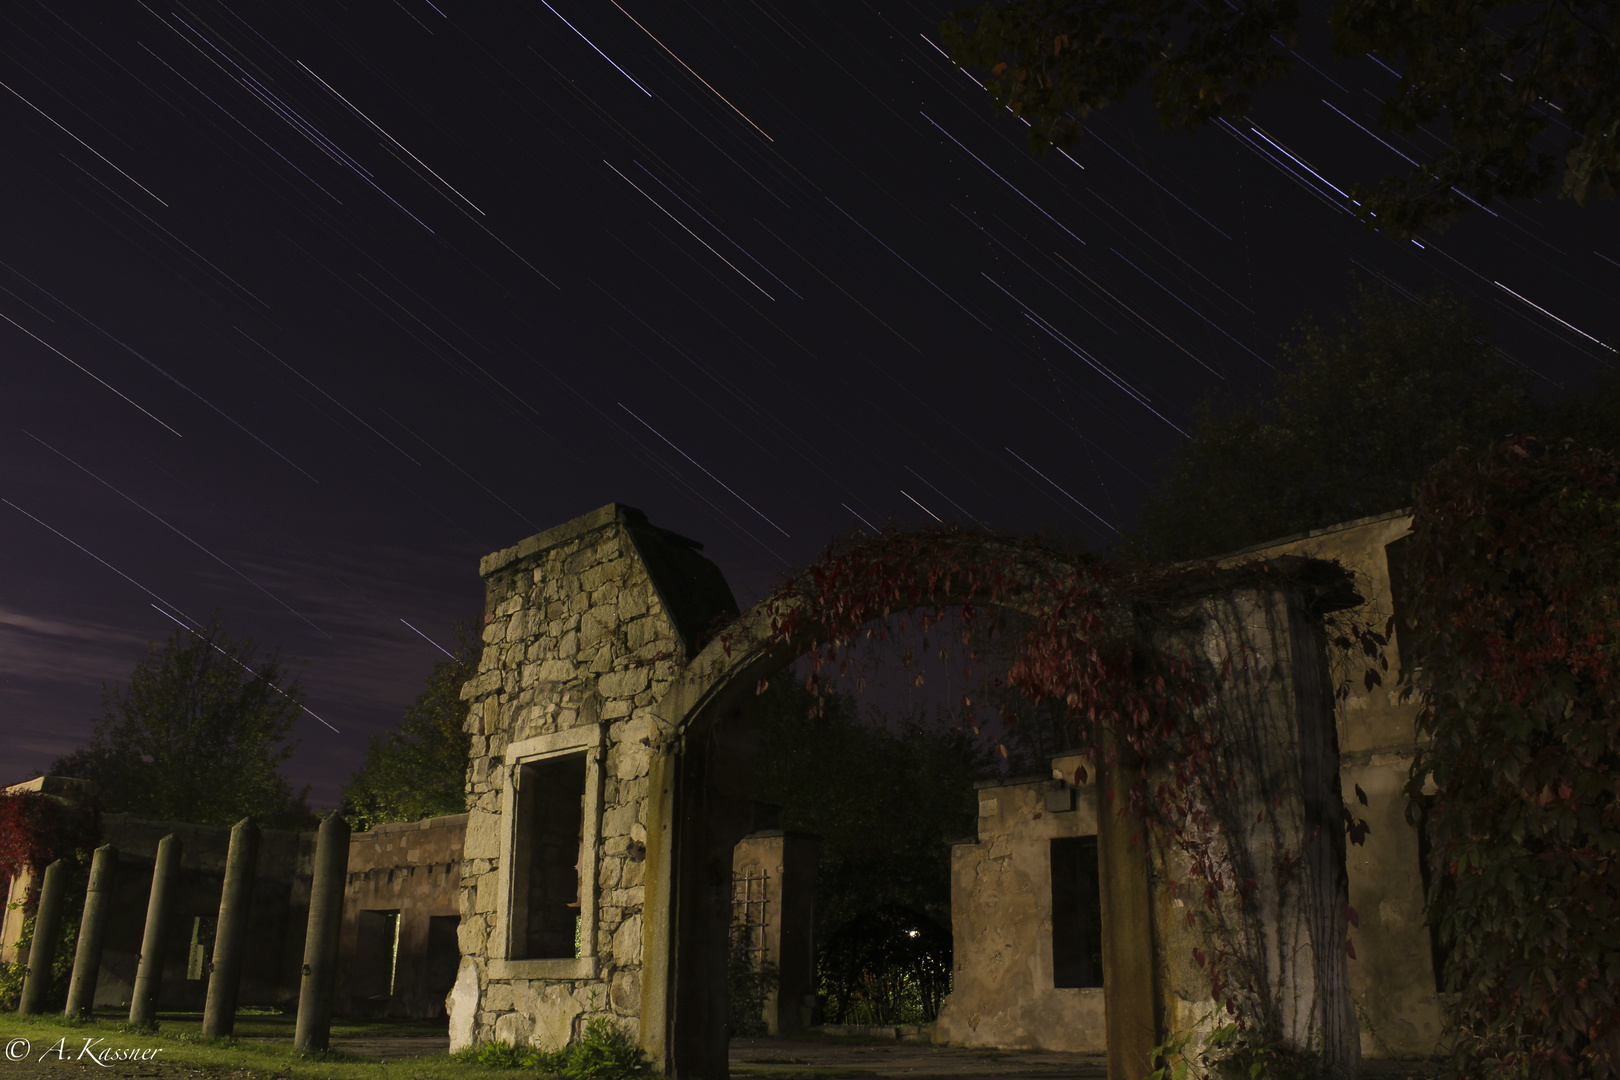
(605, 1052)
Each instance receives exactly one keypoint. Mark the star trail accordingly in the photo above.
(304, 308)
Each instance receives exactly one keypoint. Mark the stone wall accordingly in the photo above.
(409, 872)
(1392, 979)
(1004, 991)
(578, 620)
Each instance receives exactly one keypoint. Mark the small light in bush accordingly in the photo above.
(912, 933)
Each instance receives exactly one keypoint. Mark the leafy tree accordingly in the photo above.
(198, 735)
(1353, 420)
(1505, 78)
(886, 796)
(419, 769)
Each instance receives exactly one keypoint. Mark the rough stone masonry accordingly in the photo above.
(576, 619)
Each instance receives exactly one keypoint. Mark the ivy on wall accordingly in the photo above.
(1512, 640)
(1112, 647)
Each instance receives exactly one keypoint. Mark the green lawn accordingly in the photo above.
(261, 1051)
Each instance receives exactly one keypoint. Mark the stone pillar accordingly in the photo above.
(314, 1029)
(230, 934)
(81, 999)
(788, 861)
(47, 928)
(149, 974)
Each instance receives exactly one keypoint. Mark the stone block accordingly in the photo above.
(627, 941)
(462, 1005)
(632, 602)
(639, 633)
(551, 1010)
(557, 670)
(514, 1028)
(618, 820)
(498, 998)
(483, 838)
(480, 685)
(632, 762)
(472, 936)
(625, 683)
(625, 995)
(488, 887)
(595, 625)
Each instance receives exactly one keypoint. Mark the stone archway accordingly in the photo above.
(609, 720)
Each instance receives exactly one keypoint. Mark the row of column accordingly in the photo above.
(219, 1015)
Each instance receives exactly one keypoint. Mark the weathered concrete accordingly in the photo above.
(1004, 990)
(230, 940)
(92, 932)
(47, 930)
(404, 877)
(319, 972)
(143, 997)
(1392, 978)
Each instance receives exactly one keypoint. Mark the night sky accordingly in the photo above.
(307, 306)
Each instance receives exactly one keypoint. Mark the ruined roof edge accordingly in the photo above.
(559, 534)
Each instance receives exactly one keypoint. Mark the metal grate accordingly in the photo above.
(750, 894)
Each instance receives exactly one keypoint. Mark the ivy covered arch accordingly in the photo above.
(1202, 695)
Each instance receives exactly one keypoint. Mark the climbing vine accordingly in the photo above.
(1150, 697)
(1512, 634)
(36, 830)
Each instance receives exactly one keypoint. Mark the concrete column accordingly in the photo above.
(81, 999)
(230, 933)
(1129, 964)
(47, 928)
(314, 1029)
(149, 974)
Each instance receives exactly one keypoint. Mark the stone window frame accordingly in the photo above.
(591, 739)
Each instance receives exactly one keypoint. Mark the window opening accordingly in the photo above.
(1076, 913)
(443, 955)
(200, 960)
(550, 844)
(1439, 953)
(376, 954)
(1395, 554)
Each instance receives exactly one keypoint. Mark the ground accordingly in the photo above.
(378, 1050)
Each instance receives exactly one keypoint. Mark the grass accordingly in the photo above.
(262, 1049)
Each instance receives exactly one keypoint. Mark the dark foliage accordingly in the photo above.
(198, 735)
(1353, 420)
(891, 965)
(1528, 93)
(835, 774)
(1513, 608)
(419, 769)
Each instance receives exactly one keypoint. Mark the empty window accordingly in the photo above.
(1076, 913)
(201, 957)
(1439, 953)
(443, 956)
(376, 954)
(548, 846)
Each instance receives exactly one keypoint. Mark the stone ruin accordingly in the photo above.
(613, 735)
